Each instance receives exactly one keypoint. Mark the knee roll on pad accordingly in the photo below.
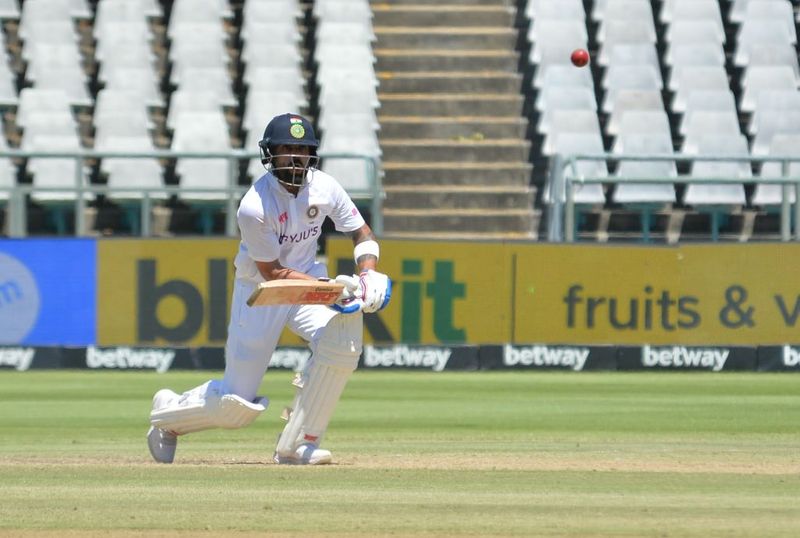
(319, 388)
(340, 343)
(205, 407)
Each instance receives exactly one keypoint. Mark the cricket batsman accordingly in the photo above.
(280, 220)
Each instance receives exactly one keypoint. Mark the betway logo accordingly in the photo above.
(294, 359)
(425, 357)
(124, 357)
(568, 357)
(791, 357)
(18, 357)
(681, 357)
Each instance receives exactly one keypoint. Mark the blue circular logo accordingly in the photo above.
(19, 300)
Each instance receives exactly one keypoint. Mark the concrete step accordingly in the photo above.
(459, 220)
(449, 173)
(429, 14)
(459, 197)
(450, 82)
(451, 104)
(485, 151)
(452, 127)
(444, 37)
(445, 60)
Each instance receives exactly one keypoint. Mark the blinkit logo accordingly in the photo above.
(19, 358)
(124, 358)
(293, 359)
(713, 359)
(573, 358)
(434, 358)
(791, 357)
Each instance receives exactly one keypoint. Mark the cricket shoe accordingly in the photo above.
(306, 454)
(162, 444)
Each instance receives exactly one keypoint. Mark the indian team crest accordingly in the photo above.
(297, 130)
(312, 211)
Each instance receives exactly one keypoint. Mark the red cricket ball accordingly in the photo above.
(579, 57)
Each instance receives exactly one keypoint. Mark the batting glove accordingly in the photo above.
(375, 289)
(349, 302)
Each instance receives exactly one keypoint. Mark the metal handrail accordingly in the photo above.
(17, 225)
(564, 177)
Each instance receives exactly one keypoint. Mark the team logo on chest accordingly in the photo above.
(312, 211)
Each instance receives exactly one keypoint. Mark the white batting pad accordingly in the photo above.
(332, 362)
(204, 407)
(313, 407)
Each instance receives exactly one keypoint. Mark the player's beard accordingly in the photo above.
(295, 172)
(291, 176)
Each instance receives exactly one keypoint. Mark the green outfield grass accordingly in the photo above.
(418, 454)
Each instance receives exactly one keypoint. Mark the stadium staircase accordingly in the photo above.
(456, 157)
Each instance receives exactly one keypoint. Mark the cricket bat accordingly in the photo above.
(291, 291)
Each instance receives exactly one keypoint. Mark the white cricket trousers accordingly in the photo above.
(253, 334)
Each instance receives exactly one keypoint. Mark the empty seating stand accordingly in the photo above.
(274, 83)
(680, 78)
(722, 78)
(348, 97)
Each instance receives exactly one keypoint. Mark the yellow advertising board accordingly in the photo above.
(166, 291)
(479, 293)
(442, 291)
(692, 294)
(177, 291)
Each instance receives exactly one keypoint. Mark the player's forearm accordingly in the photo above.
(292, 274)
(275, 271)
(367, 261)
(366, 249)
(371, 263)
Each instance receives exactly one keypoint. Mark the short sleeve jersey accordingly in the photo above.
(276, 225)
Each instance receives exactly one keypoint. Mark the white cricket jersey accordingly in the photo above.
(276, 225)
